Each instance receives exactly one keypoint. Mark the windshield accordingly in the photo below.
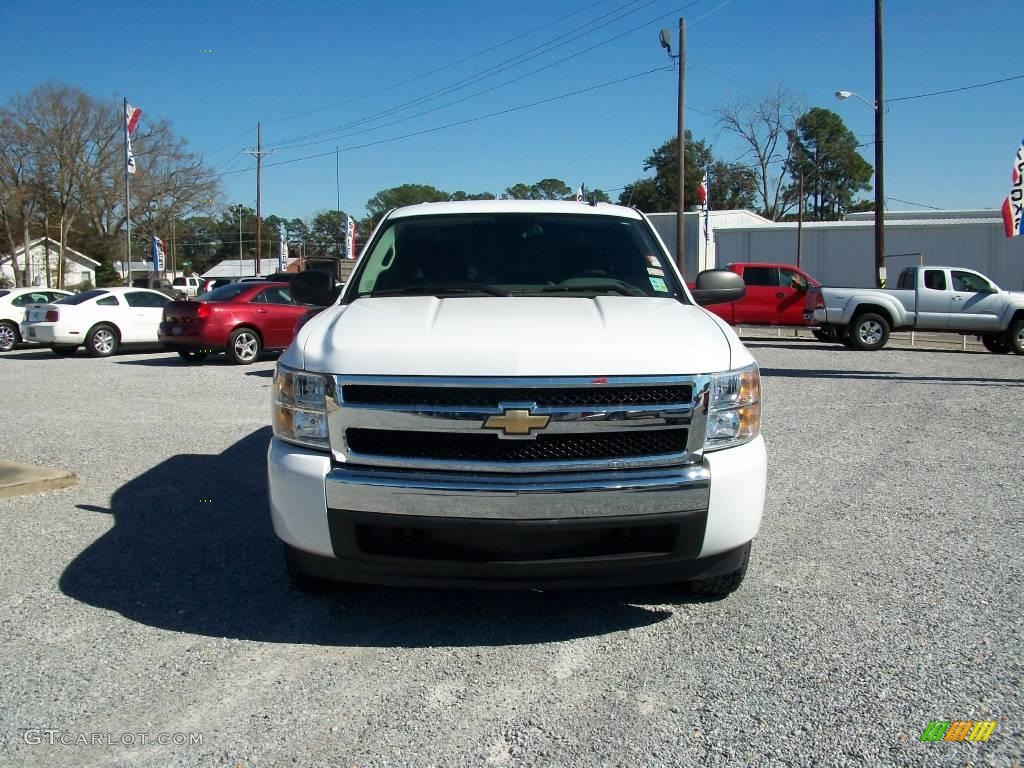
(80, 298)
(225, 292)
(516, 254)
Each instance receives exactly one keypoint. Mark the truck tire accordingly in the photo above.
(1016, 337)
(102, 340)
(244, 346)
(9, 336)
(996, 343)
(720, 586)
(869, 332)
(302, 581)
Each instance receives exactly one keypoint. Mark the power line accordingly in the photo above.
(956, 90)
(919, 205)
(443, 67)
(489, 72)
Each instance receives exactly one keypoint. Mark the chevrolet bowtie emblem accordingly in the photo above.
(517, 421)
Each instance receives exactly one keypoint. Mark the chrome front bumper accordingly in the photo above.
(510, 497)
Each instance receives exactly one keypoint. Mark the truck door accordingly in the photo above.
(757, 307)
(974, 302)
(933, 300)
(789, 298)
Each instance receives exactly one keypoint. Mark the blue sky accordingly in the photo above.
(273, 61)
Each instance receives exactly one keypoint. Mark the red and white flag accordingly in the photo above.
(1013, 205)
(131, 119)
(702, 191)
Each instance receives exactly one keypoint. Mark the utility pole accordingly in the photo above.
(337, 189)
(800, 219)
(239, 239)
(879, 155)
(681, 138)
(258, 153)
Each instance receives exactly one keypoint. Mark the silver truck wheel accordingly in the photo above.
(869, 331)
(1017, 337)
(8, 337)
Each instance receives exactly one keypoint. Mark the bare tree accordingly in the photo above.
(20, 186)
(764, 126)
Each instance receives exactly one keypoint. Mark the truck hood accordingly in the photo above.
(516, 336)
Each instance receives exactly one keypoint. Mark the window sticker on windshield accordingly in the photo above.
(658, 284)
(652, 260)
(653, 271)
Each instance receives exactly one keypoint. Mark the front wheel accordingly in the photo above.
(9, 336)
(102, 341)
(244, 346)
(996, 343)
(1017, 337)
(869, 332)
(192, 355)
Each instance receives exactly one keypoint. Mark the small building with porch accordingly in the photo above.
(44, 253)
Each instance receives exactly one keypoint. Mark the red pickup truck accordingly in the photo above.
(775, 295)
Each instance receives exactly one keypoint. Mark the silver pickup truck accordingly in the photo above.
(936, 299)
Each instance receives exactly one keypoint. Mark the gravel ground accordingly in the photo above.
(885, 591)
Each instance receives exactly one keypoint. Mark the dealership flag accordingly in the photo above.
(131, 119)
(579, 194)
(282, 254)
(702, 191)
(157, 252)
(350, 238)
(1013, 205)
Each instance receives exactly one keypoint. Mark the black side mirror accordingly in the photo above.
(314, 287)
(718, 286)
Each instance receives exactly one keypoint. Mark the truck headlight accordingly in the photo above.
(300, 407)
(734, 408)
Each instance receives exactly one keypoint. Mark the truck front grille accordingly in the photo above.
(439, 446)
(554, 397)
(435, 423)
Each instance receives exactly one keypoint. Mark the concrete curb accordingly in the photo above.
(24, 479)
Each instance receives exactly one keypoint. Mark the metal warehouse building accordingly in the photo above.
(842, 252)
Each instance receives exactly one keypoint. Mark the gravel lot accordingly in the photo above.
(885, 591)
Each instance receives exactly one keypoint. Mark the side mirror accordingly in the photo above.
(718, 286)
(314, 287)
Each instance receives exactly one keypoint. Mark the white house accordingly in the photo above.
(78, 268)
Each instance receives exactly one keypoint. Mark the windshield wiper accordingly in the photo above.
(439, 290)
(624, 290)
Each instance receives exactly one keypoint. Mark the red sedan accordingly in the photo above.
(240, 319)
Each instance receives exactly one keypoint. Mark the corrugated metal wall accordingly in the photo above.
(842, 253)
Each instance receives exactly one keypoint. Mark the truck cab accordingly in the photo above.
(775, 295)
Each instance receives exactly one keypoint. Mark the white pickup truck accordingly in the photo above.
(520, 394)
(936, 299)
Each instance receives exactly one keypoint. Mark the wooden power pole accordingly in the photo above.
(258, 153)
(681, 138)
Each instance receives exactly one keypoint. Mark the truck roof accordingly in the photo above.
(515, 206)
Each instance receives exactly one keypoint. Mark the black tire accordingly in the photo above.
(720, 586)
(1016, 337)
(9, 336)
(302, 581)
(868, 332)
(244, 346)
(192, 355)
(63, 350)
(996, 343)
(102, 340)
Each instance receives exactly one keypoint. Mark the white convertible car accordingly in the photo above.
(14, 305)
(102, 319)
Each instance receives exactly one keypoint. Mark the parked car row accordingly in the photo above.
(241, 319)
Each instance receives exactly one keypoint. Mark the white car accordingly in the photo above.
(14, 305)
(517, 393)
(102, 319)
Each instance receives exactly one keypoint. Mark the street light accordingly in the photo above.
(879, 106)
(879, 187)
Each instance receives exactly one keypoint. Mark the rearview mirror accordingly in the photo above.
(314, 287)
(718, 286)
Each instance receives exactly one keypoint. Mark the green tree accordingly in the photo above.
(461, 195)
(327, 233)
(658, 195)
(396, 197)
(545, 189)
(825, 151)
